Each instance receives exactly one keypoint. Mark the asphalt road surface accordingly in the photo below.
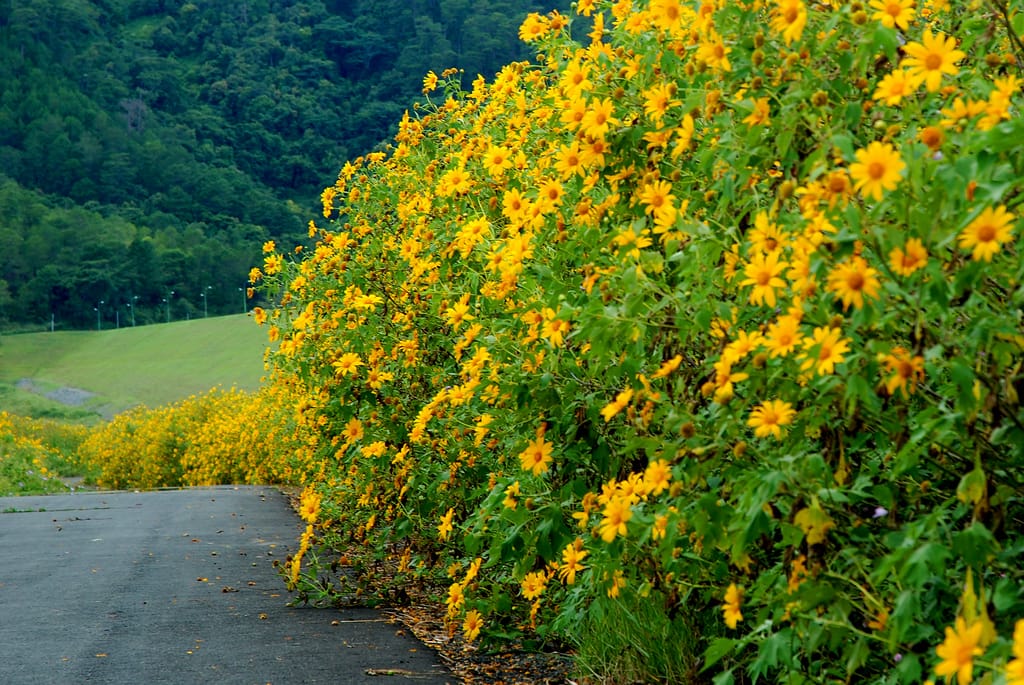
(177, 587)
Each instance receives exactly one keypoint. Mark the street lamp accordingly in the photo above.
(167, 301)
(97, 308)
(245, 299)
(131, 308)
(203, 295)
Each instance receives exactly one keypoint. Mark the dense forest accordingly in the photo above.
(149, 147)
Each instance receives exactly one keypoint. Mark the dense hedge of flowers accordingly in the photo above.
(35, 452)
(222, 436)
(715, 312)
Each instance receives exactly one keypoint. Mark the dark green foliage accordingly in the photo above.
(150, 146)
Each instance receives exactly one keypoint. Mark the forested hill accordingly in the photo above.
(151, 146)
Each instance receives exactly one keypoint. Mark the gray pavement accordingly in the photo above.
(177, 586)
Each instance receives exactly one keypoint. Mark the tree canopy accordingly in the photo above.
(151, 146)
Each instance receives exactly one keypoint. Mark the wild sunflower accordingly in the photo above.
(909, 258)
(823, 350)
(853, 280)
(895, 86)
(987, 233)
(958, 651)
(731, 606)
(789, 18)
(893, 13)
(783, 336)
(537, 456)
(877, 169)
(769, 417)
(934, 56)
(763, 273)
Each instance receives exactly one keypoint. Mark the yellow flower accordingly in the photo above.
(598, 118)
(763, 273)
(769, 417)
(658, 100)
(575, 79)
(533, 28)
(789, 18)
(444, 529)
(934, 56)
(429, 82)
(272, 264)
(714, 52)
(570, 161)
(533, 584)
(743, 344)
(458, 313)
(658, 200)
(537, 456)
(668, 367)
(731, 607)
(497, 160)
(657, 476)
(456, 598)
(908, 259)
(830, 350)
(347, 364)
(309, 507)
(852, 281)
(987, 233)
(907, 371)
(958, 651)
(893, 13)
(1015, 669)
(572, 556)
(616, 513)
(895, 86)
(783, 336)
(759, 116)
(877, 169)
(669, 14)
(472, 625)
(554, 329)
(621, 402)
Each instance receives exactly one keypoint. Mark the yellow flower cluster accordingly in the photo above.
(684, 299)
(214, 438)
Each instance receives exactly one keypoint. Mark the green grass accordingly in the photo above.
(151, 365)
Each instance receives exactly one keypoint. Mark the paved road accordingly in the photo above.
(177, 587)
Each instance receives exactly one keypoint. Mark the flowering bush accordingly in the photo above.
(34, 453)
(713, 314)
(217, 437)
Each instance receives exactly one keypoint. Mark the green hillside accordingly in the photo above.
(51, 373)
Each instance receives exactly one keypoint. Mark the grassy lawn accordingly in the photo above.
(151, 365)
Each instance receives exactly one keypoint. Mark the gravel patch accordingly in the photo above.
(72, 397)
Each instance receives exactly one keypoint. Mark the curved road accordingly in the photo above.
(177, 586)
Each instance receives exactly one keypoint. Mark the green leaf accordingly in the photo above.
(717, 650)
(857, 656)
(975, 544)
(724, 678)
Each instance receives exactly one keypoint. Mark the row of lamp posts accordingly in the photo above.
(167, 304)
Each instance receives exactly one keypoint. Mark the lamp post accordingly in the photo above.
(131, 308)
(167, 301)
(245, 299)
(98, 322)
(203, 295)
